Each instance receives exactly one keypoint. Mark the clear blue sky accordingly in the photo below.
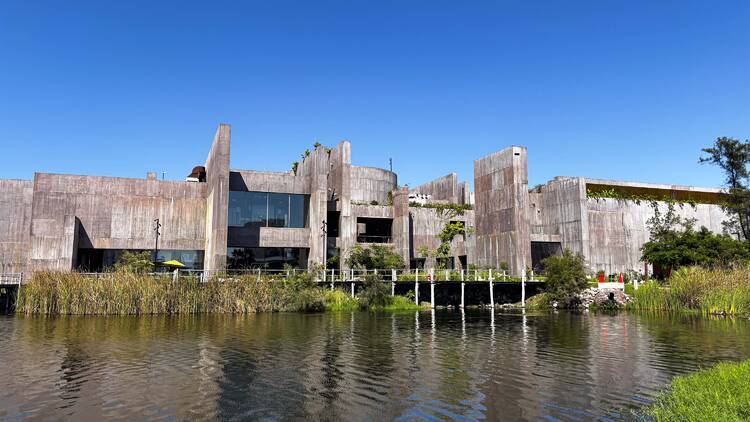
(609, 89)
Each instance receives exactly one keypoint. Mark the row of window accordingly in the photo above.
(264, 209)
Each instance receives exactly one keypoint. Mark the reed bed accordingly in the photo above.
(127, 293)
(710, 291)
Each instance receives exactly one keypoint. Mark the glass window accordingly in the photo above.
(261, 209)
(278, 210)
(248, 209)
(298, 210)
(268, 258)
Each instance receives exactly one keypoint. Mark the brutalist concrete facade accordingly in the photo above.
(50, 221)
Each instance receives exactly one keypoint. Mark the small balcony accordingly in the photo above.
(364, 238)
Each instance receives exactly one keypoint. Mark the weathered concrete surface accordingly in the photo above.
(617, 230)
(15, 224)
(559, 210)
(266, 181)
(501, 209)
(374, 211)
(275, 237)
(426, 226)
(217, 200)
(71, 212)
(446, 188)
(372, 184)
(400, 225)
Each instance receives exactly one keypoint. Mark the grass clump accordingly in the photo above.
(710, 291)
(403, 303)
(339, 300)
(721, 393)
(539, 301)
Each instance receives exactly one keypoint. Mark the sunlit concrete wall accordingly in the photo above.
(15, 224)
(71, 212)
(501, 209)
(372, 184)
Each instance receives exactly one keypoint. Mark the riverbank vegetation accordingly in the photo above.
(711, 291)
(132, 293)
(721, 393)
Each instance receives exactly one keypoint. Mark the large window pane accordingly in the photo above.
(267, 258)
(298, 210)
(278, 210)
(247, 209)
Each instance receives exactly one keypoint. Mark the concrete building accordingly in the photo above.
(230, 218)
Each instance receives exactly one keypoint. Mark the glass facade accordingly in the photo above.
(267, 258)
(262, 209)
(96, 260)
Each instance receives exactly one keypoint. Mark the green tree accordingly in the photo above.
(732, 156)
(136, 262)
(374, 257)
(566, 277)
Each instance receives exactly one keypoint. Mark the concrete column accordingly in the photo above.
(503, 231)
(217, 200)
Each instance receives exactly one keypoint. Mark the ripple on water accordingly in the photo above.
(360, 366)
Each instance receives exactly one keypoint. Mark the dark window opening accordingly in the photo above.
(374, 230)
(333, 223)
(542, 250)
(97, 260)
(418, 263)
(266, 258)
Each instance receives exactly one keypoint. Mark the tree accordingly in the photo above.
(137, 262)
(689, 247)
(374, 257)
(566, 276)
(732, 156)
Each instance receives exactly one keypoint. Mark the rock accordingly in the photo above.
(600, 297)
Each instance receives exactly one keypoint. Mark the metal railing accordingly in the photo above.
(11, 278)
(363, 238)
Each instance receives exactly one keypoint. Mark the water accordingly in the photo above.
(361, 366)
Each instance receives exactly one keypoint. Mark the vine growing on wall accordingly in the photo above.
(637, 198)
(444, 210)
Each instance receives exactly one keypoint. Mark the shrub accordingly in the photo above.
(136, 262)
(566, 277)
(375, 257)
(375, 293)
(339, 300)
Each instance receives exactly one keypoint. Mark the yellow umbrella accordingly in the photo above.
(173, 263)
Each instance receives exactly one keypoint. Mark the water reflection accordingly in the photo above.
(433, 365)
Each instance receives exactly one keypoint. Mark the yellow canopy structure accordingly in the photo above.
(172, 263)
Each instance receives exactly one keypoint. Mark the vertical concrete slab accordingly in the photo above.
(400, 225)
(501, 210)
(217, 200)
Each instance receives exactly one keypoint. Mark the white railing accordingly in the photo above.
(11, 278)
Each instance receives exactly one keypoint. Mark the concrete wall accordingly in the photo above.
(501, 209)
(217, 200)
(372, 184)
(446, 188)
(71, 212)
(558, 213)
(617, 230)
(15, 224)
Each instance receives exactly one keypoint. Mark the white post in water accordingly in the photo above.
(463, 285)
(352, 274)
(393, 282)
(416, 287)
(432, 295)
(492, 295)
(352, 289)
(447, 275)
(523, 289)
(490, 274)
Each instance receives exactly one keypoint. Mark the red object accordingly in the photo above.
(619, 279)
(601, 278)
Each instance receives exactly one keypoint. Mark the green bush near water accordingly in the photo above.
(716, 291)
(721, 393)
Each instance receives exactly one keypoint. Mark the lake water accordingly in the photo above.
(441, 365)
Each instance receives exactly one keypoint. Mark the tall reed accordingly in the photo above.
(127, 293)
(711, 291)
